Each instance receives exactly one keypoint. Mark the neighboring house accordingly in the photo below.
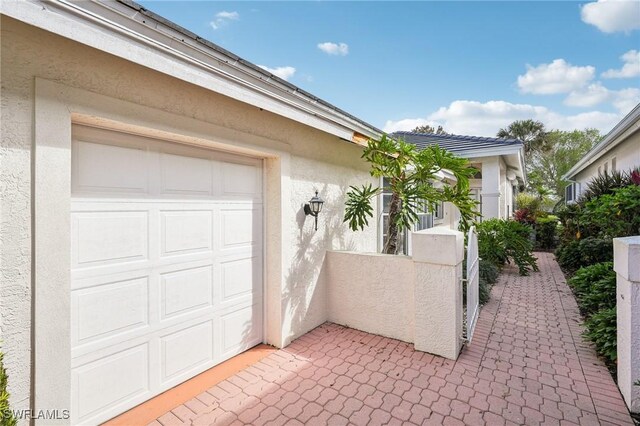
(153, 187)
(500, 164)
(619, 150)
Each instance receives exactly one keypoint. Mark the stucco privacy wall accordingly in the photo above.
(299, 160)
(372, 292)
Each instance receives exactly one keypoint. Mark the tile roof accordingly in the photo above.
(456, 143)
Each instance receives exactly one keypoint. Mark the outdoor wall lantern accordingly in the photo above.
(314, 207)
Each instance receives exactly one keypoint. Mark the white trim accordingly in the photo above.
(56, 107)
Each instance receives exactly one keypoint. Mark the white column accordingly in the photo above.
(627, 266)
(437, 255)
(490, 188)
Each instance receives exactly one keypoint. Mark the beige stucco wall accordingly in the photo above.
(372, 292)
(627, 155)
(301, 159)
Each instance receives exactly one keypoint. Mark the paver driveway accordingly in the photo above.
(527, 364)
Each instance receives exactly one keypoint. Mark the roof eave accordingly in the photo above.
(611, 140)
(104, 25)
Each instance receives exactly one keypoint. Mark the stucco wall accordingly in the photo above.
(627, 156)
(311, 160)
(372, 293)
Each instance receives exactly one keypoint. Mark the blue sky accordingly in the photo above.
(472, 67)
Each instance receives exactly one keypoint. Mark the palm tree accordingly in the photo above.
(531, 132)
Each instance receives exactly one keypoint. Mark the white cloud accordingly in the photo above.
(592, 95)
(627, 99)
(556, 77)
(222, 18)
(340, 49)
(612, 15)
(485, 119)
(631, 67)
(407, 124)
(284, 73)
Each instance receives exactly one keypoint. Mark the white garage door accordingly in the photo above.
(166, 266)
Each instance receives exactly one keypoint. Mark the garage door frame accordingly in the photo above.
(56, 107)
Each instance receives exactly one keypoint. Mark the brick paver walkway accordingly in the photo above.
(527, 364)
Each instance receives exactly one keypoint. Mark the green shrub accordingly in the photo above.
(529, 201)
(580, 253)
(488, 275)
(6, 416)
(613, 215)
(488, 272)
(594, 287)
(605, 183)
(505, 241)
(546, 232)
(601, 330)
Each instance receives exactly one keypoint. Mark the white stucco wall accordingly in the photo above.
(627, 155)
(626, 263)
(372, 292)
(299, 159)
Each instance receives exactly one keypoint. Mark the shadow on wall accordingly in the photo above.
(305, 291)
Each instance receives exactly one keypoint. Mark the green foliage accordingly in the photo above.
(505, 241)
(488, 272)
(529, 201)
(411, 175)
(488, 275)
(531, 132)
(607, 216)
(594, 287)
(579, 253)
(562, 150)
(6, 416)
(546, 231)
(605, 183)
(358, 207)
(601, 330)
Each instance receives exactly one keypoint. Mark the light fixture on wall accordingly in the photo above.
(314, 207)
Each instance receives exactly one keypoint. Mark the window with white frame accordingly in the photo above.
(571, 192)
(613, 164)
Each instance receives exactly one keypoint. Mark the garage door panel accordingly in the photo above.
(238, 329)
(186, 291)
(110, 169)
(186, 231)
(240, 228)
(93, 308)
(104, 237)
(112, 381)
(187, 176)
(186, 350)
(240, 278)
(241, 180)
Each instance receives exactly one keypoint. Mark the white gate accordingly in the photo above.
(473, 300)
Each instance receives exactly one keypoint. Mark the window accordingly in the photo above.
(599, 170)
(571, 192)
(438, 213)
(613, 164)
(606, 168)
